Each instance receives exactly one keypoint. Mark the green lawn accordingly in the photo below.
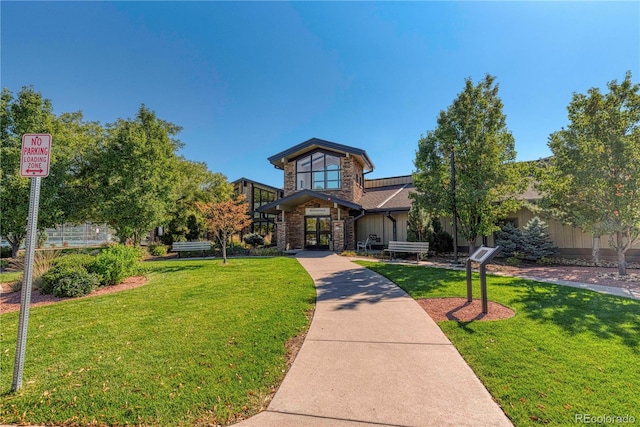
(200, 343)
(10, 276)
(566, 351)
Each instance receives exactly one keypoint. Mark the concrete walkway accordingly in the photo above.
(373, 357)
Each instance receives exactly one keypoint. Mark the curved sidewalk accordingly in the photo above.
(373, 357)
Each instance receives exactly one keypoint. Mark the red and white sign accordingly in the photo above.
(36, 155)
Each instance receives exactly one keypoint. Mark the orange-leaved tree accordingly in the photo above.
(225, 218)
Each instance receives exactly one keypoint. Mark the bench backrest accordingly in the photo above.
(191, 246)
(409, 246)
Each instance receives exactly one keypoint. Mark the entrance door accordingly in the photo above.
(317, 232)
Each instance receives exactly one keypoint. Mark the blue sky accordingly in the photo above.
(247, 80)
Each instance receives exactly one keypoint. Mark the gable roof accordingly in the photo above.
(278, 160)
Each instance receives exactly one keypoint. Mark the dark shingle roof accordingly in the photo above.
(303, 147)
(391, 198)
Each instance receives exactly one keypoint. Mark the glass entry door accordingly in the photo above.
(317, 232)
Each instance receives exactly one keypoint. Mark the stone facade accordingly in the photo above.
(351, 180)
(291, 231)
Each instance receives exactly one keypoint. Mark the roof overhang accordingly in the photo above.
(280, 159)
(289, 203)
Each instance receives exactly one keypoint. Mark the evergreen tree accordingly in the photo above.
(510, 239)
(537, 242)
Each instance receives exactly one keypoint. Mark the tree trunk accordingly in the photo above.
(620, 250)
(472, 246)
(15, 247)
(595, 249)
(224, 247)
(14, 241)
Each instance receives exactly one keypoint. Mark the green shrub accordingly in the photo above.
(349, 253)
(253, 239)
(5, 252)
(268, 252)
(118, 262)
(440, 241)
(236, 249)
(158, 250)
(513, 261)
(76, 284)
(58, 272)
(84, 260)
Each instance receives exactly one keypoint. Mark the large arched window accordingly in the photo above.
(319, 171)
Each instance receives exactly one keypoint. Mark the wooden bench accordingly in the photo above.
(190, 246)
(418, 248)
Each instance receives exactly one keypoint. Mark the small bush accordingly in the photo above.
(513, 261)
(118, 262)
(83, 260)
(75, 284)
(253, 239)
(5, 252)
(158, 250)
(57, 273)
(236, 249)
(349, 253)
(268, 252)
(546, 261)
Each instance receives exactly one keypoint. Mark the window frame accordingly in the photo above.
(323, 179)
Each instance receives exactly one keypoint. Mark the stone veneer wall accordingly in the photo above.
(291, 232)
(350, 191)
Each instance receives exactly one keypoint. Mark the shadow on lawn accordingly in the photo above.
(173, 268)
(359, 286)
(579, 311)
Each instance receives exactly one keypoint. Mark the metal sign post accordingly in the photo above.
(34, 163)
(482, 255)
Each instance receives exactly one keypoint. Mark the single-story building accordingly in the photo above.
(327, 203)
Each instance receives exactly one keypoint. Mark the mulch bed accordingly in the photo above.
(463, 311)
(10, 301)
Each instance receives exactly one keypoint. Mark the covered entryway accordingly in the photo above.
(317, 232)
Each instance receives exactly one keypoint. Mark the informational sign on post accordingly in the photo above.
(482, 255)
(34, 163)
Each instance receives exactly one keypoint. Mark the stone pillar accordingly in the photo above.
(337, 234)
(281, 233)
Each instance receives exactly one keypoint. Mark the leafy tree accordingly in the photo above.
(29, 112)
(226, 218)
(419, 224)
(195, 183)
(487, 179)
(595, 171)
(135, 177)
